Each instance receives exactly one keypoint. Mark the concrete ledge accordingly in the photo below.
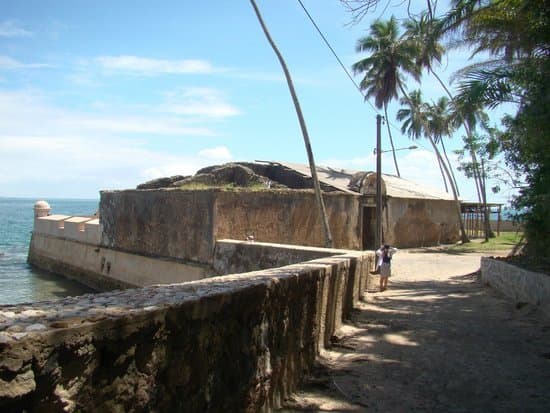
(519, 284)
(51, 225)
(105, 269)
(74, 228)
(93, 235)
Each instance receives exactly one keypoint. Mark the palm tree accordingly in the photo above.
(415, 118)
(442, 120)
(390, 57)
(426, 32)
(468, 110)
(419, 119)
(305, 134)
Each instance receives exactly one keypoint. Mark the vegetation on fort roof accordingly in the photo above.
(198, 186)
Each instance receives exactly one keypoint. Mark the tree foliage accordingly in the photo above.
(515, 34)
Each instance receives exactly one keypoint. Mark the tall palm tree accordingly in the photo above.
(468, 110)
(414, 116)
(442, 121)
(420, 120)
(390, 58)
(305, 134)
(426, 32)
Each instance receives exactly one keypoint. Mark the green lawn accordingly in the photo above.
(506, 241)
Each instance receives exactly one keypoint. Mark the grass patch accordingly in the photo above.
(505, 241)
(197, 186)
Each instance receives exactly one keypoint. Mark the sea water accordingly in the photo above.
(20, 282)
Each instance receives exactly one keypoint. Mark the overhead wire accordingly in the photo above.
(327, 43)
(336, 56)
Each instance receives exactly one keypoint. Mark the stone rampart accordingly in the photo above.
(230, 343)
(521, 285)
(105, 269)
(184, 224)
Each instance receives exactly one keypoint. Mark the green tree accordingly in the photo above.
(390, 58)
(422, 120)
(516, 35)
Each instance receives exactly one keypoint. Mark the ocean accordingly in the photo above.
(19, 282)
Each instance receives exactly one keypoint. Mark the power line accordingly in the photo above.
(327, 43)
(336, 56)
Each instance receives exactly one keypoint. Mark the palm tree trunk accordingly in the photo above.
(463, 235)
(450, 167)
(468, 134)
(391, 140)
(443, 175)
(488, 232)
(301, 120)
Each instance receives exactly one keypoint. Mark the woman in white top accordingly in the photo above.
(385, 254)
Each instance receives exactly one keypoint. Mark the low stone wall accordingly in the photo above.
(519, 284)
(233, 343)
(104, 269)
(231, 256)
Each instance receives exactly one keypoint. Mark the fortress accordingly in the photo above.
(216, 297)
(237, 341)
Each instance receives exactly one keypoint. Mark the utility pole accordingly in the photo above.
(378, 238)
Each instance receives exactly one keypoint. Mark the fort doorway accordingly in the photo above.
(369, 228)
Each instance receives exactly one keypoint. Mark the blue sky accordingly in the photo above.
(109, 94)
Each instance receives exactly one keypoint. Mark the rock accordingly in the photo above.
(357, 180)
(230, 173)
(35, 327)
(160, 182)
(21, 385)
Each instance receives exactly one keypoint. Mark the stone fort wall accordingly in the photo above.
(238, 342)
(185, 224)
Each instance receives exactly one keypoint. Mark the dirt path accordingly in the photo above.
(438, 341)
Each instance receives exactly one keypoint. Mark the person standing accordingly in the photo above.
(384, 254)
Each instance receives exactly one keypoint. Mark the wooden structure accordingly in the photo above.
(473, 215)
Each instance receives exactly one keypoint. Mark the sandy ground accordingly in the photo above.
(436, 341)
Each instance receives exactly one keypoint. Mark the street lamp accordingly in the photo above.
(395, 150)
(378, 152)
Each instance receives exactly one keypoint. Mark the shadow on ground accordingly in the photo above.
(452, 345)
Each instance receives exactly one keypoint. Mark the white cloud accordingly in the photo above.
(50, 151)
(199, 102)
(89, 165)
(418, 165)
(16, 109)
(216, 153)
(8, 63)
(149, 66)
(366, 163)
(9, 28)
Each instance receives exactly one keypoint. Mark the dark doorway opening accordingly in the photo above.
(369, 228)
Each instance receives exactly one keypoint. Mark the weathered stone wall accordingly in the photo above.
(232, 256)
(233, 343)
(287, 217)
(521, 285)
(420, 222)
(162, 223)
(185, 224)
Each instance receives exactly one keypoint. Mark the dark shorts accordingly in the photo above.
(385, 270)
